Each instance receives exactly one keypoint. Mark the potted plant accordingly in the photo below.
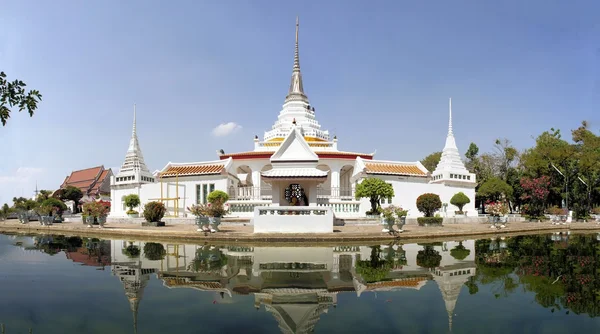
(460, 200)
(217, 208)
(45, 214)
(89, 213)
(153, 213)
(497, 210)
(101, 213)
(132, 201)
(58, 208)
(401, 214)
(201, 211)
(388, 218)
(428, 204)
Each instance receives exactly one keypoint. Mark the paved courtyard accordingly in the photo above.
(244, 233)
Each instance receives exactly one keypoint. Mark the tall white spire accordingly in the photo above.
(296, 91)
(451, 165)
(134, 167)
(297, 107)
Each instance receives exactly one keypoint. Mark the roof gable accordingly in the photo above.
(294, 148)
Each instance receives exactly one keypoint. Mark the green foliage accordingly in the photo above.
(431, 161)
(428, 204)
(375, 269)
(57, 204)
(218, 196)
(472, 152)
(23, 204)
(374, 189)
(429, 221)
(494, 189)
(154, 251)
(131, 251)
(132, 201)
(5, 211)
(43, 195)
(428, 258)
(13, 94)
(154, 211)
(71, 193)
(95, 209)
(460, 200)
(460, 252)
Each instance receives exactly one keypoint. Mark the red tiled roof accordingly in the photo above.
(87, 180)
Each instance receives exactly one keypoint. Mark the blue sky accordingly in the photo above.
(379, 74)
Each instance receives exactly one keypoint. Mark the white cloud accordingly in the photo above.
(225, 129)
(21, 175)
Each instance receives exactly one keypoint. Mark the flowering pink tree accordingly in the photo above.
(535, 194)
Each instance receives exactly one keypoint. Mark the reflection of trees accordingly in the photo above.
(208, 258)
(460, 252)
(563, 274)
(154, 251)
(131, 251)
(428, 257)
(54, 244)
(375, 269)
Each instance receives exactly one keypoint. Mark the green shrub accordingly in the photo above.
(154, 251)
(58, 206)
(460, 252)
(131, 251)
(131, 201)
(460, 200)
(217, 196)
(428, 221)
(428, 258)
(428, 204)
(154, 211)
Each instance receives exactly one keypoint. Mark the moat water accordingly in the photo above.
(526, 284)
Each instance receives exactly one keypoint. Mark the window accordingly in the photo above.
(198, 194)
(468, 177)
(202, 191)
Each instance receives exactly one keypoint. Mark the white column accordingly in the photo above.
(312, 194)
(256, 184)
(335, 183)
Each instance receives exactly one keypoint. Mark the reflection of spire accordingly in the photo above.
(134, 279)
(450, 280)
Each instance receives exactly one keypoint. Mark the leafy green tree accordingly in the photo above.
(56, 204)
(24, 204)
(495, 189)
(374, 189)
(5, 211)
(132, 201)
(218, 196)
(460, 200)
(13, 94)
(506, 156)
(71, 193)
(43, 195)
(431, 161)
(428, 204)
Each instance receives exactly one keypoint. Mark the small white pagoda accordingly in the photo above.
(297, 170)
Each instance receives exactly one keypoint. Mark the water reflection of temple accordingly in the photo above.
(296, 285)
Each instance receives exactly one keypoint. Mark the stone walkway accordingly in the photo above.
(235, 233)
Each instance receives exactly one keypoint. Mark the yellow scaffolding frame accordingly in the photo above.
(175, 199)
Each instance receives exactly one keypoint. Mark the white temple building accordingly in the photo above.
(297, 166)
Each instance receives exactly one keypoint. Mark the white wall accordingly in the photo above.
(152, 192)
(408, 189)
(274, 223)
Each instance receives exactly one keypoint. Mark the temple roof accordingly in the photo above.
(196, 168)
(395, 168)
(134, 159)
(88, 180)
(294, 173)
(321, 154)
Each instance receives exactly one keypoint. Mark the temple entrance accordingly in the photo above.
(295, 195)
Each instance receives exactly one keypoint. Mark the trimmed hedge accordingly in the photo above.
(428, 221)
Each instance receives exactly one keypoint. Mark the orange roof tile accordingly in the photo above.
(393, 168)
(192, 170)
(407, 282)
(85, 174)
